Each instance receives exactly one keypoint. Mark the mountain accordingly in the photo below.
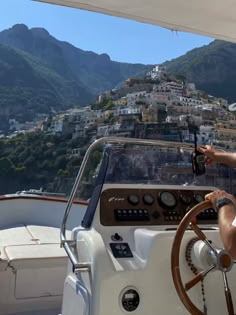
(39, 72)
(28, 87)
(211, 67)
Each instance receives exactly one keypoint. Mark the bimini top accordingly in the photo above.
(213, 18)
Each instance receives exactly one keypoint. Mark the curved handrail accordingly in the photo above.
(69, 245)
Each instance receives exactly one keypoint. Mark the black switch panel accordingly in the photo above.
(208, 214)
(121, 250)
(131, 215)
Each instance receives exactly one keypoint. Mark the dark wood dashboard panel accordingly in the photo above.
(135, 207)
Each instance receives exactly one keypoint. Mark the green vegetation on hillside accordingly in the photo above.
(36, 160)
(211, 67)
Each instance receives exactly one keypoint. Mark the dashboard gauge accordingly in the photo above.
(133, 199)
(187, 199)
(148, 199)
(167, 199)
(199, 198)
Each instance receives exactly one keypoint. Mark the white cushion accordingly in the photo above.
(31, 246)
(36, 256)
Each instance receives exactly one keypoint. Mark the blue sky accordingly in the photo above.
(121, 39)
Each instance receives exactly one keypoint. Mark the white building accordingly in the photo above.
(188, 101)
(207, 134)
(56, 125)
(128, 110)
(156, 97)
(183, 121)
(84, 117)
(106, 130)
(98, 114)
(172, 119)
(133, 97)
(157, 72)
(173, 88)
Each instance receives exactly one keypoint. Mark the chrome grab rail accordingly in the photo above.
(69, 245)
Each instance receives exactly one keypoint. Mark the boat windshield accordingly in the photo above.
(169, 164)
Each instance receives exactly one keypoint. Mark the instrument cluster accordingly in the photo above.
(152, 206)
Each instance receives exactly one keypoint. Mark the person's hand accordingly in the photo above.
(218, 194)
(210, 153)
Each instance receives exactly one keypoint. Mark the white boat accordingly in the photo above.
(40, 192)
(126, 255)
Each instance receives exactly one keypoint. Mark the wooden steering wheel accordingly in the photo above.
(223, 261)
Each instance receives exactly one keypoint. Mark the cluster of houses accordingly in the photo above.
(158, 106)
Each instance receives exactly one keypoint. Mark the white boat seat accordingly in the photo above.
(23, 246)
(32, 261)
(36, 256)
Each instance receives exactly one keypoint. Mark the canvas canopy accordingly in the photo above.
(212, 18)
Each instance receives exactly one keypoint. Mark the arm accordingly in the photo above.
(227, 158)
(226, 216)
(213, 155)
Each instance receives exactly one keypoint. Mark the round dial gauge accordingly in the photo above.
(199, 198)
(133, 199)
(186, 199)
(167, 199)
(148, 199)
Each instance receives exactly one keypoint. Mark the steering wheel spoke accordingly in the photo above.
(202, 236)
(199, 277)
(228, 295)
(198, 231)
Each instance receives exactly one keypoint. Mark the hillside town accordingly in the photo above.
(158, 106)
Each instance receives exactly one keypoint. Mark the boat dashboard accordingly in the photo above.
(141, 193)
(155, 206)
